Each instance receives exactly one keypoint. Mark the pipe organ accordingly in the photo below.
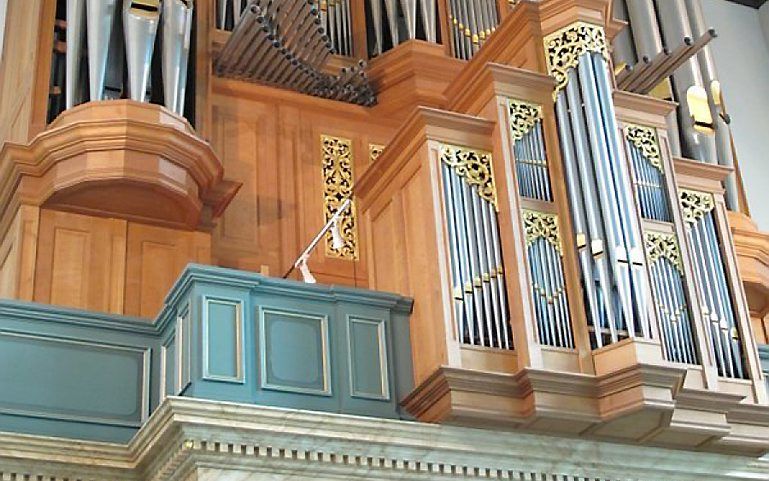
(543, 238)
(104, 35)
(477, 272)
(669, 39)
(607, 227)
(560, 224)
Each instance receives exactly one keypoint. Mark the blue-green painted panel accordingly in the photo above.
(295, 352)
(169, 372)
(74, 379)
(368, 358)
(222, 335)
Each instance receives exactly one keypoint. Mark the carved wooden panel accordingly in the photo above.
(80, 261)
(155, 256)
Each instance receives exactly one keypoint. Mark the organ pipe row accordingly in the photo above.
(718, 314)
(543, 239)
(477, 272)
(663, 254)
(114, 30)
(607, 225)
(658, 28)
(472, 22)
(286, 46)
(419, 21)
(668, 288)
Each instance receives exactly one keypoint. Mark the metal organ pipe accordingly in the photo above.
(140, 25)
(715, 101)
(75, 19)
(599, 184)
(130, 34)
(648, 43)
(695, 120)
(177, 27)
(624, 51)
(99, 19)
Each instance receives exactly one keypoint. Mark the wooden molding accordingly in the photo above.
(124, 159)
(640, 404)
(692, 174)
(752, 248)
(642, 109)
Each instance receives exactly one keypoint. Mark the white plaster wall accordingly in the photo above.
(742, 57)
(763, 16)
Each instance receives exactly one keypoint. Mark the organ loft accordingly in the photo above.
(376, 239)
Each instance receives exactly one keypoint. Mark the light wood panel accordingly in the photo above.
(82, 262)
(155, 257)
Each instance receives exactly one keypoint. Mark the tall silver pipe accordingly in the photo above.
(177, 27)
(603, 239)
(140, 27)
(376, 15)
(574, 190)
(628, 218)
(391, 7)
(75, 31)
(695, 120)
(429, 17)
(99, 19)
(715, 100)
(409, 8)
(624, 51)
(648, 43)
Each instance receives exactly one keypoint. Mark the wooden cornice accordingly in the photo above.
(517, 41)
(692, 174)
(649, 397)
(495, 79)
(423, 125)
(415, 73)
(557, 14)
(642, 109)
(752, 247)
(99, 150)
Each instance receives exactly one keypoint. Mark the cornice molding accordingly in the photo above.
(111, 146)
(184, 435)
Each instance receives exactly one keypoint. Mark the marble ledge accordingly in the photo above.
(195, 439)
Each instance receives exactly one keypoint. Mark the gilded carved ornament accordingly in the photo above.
(564, 48)
(523, 117)
(474, 166)
(374, 151)
(336, 161)
(645, 140)
(541, 225)
(696, 205)
(662, 245)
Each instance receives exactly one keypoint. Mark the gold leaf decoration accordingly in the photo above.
(695, 205)
(541, 225)
(474, 166)
(645, 140)
(564, 48)
(374, 151)
(336, 156)
(662, 245)
(523, 117)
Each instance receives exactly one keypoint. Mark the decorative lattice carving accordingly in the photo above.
(696, 205)
(645, 140)
(541, 225)
(661, 245)
(474, 166)
(523, 117)
(564, 48)
(336, 157)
